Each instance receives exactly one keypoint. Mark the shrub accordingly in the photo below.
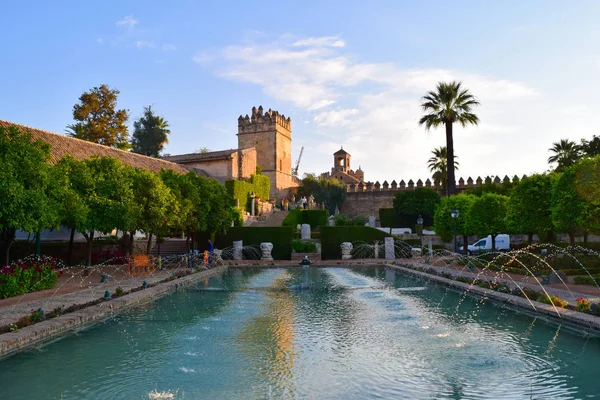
(304, 246)
(315, 218)
(551, 299)
(119, 292)
(587, 280)
(583, 305)
(30, 274)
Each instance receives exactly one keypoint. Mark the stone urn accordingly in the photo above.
(217, 255)
(346, 250)
(266, 249)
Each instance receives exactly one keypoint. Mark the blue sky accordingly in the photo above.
(348, 73)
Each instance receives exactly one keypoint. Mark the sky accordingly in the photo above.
(347, 73)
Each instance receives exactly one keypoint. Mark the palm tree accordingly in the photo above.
(438, 164)
(448, 104)
(151, 133)
(566, 153)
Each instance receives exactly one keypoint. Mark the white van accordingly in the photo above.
(485, 245)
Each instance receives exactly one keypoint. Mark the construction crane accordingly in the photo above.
(295, 170)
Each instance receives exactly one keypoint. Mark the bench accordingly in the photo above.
(141, 264)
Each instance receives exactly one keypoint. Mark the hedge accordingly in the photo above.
(280, 236)
(315, 218)
(388, 218)
(587, 280)
(241, 190)
(333, 236)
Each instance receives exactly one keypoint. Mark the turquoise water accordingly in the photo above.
(358, 333)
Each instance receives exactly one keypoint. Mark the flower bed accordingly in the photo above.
(29, 274)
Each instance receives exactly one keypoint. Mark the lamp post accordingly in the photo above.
(420, 224)
(454, 213)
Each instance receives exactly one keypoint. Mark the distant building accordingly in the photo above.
(341, 169)
(264, 140)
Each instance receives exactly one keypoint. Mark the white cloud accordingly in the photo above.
(169, 47)
(326, 41)
(577, 109)
(100, 41)
(335, 117)
(127, 22)
(141, 44)
(374, 108)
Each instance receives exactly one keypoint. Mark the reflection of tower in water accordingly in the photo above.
(268, 339)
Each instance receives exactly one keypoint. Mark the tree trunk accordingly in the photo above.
(530, 238)
(148, 246)
(7, 237)
(465, 244)
(70, 251)
(130, 246)
(585, 238)
(493, 243)
(187, 241)
(90, 240)
(450, 160)
(571, 238)
(551, 236)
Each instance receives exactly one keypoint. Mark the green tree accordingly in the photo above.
(221, 214)
(192, 209)
(421, 201)
(25, 202)
(448, 104)
(75, 179)
(566, 154)
(150, 134)
(438, 165)
(331, 192)
(444, 223)
(569, 210)
(529, 207)
(110, 200)
(487, 216)
(98, 120)
(154, 204)
(591, 148)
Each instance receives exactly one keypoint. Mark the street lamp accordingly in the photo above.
(420, 224)
(454, 213)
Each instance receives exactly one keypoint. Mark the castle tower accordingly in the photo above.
(341, 161)
(271, 134)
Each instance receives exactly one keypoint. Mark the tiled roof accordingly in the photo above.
(81, 149)
(340, 152)
(195, 157)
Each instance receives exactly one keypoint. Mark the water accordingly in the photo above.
(358, 333)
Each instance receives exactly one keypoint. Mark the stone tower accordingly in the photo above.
(271, 134)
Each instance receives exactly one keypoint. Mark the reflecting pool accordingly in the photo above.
(353, 333)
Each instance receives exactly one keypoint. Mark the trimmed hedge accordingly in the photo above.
(587, 280)
(281, 237)
(241, 190)
(388, 218)
(333, 236)
(315, 218)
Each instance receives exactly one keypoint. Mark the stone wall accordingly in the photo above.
(244, 163)
(221, 170)
(366, 203)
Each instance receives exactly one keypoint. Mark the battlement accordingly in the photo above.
(436, 185)
(260, 121)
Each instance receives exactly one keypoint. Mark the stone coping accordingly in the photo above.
(575, 320)
(34, 335)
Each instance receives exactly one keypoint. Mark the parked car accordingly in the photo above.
(485, 244)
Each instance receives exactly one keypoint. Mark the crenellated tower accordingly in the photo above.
(271, 134)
